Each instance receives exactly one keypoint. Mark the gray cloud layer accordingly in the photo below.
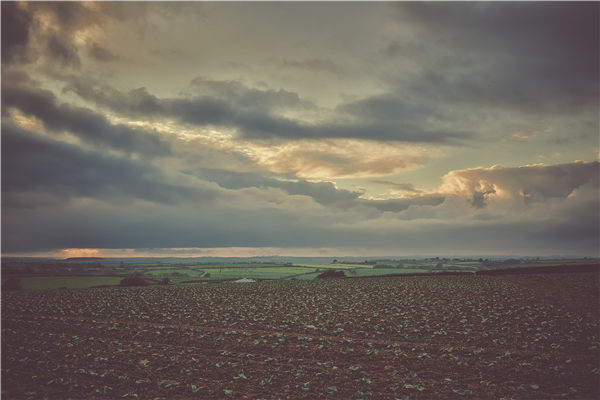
(534, 57)
(15, 32)
(38, 165)
(232, 104)
(88, 125)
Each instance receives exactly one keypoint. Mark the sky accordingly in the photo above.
(340, 128)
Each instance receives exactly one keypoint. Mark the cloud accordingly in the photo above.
(387, 107)
(44, 29)
(316, 64)
(324, 193)
(63, 52)
(521, 185)
(101, 201)
(55, 32)
(337, 158)
(40, 168)
(121, 158)
(397, 205)
(242, 96)
(532, 57)
(15, 32)
(102, 54)
(136, 102)
(147, 225)
(89, 126)
(252, 113)
(402, 187)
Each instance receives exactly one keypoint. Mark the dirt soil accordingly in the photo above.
(447, 337)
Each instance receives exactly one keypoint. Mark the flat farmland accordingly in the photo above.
(446, 337)
(71, 282)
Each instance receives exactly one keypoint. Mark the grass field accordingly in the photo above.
(169, 271)
(336, 266)
(369, 272)
(223, 271)
(71, 282)
(174, 279)
(386, 271)
(258, 273)
(236, 265)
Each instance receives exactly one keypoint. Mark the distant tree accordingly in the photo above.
(207, 275)
(12, 284)
(165, 281)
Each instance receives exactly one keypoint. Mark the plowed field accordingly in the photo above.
(484, 337)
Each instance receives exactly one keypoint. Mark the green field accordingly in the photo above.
(169, 271)
(178, 273)
(71, 282)
(236, 265)
(336, 266)
(370, 272)
(259, 273)
(386, 271)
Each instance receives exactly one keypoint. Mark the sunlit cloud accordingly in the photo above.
(67, 253)
(332, 159)
(26, 122)
(522, 186)
(187, 252)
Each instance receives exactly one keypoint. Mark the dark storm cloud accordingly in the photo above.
(63, 52)
(91, 127)
(396, 113)
(397, 205)
(15, 32)
(137, 102)
(242, 96)
(544, 30)
(578, 224)
(20, 25)
(54, 42)
(324, 193)
(38, 165)
(387, 107)
(147, 227)
(249, 110)
(156, 225)
(537, 57)
(388, 131)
